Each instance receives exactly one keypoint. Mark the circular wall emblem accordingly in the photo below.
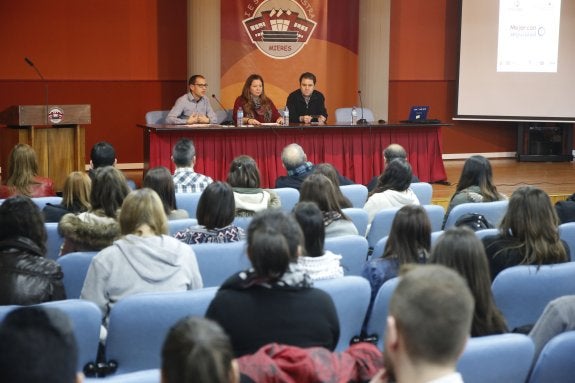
(279, 28)
(55, 115)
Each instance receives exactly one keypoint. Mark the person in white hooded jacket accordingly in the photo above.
(144, 259)
(392, 189)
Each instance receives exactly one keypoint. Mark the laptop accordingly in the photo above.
(418, 114)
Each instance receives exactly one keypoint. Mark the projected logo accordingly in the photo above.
(279, 28)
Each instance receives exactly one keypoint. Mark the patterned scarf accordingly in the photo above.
(294, 277)
(330, 216)
(262, 110)
(302, 169)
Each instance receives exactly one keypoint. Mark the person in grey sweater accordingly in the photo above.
(144, 259)
(558, 317)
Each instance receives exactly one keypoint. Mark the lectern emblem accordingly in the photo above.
(55, 115)
(279, 28)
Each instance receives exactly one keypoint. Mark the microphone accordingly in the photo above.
(29, 62)
(361, 121)
(228, 120)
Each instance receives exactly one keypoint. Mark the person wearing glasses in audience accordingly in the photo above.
(193, 107)
(306, 104)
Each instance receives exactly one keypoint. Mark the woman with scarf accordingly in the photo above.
(257, 107)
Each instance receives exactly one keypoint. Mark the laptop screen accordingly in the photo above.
(418, 113)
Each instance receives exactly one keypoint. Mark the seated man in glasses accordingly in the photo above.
(193, 107)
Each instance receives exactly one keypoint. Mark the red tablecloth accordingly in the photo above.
(356, 151)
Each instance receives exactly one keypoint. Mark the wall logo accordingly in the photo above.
(55, 115)
(279, 28)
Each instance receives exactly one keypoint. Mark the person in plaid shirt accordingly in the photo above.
(186, 180)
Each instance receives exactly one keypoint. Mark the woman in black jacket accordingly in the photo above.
(26, 276)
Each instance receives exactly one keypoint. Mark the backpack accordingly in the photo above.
(474, 221)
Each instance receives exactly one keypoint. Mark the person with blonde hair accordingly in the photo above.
(23, 175)
(144, 259)
(75, 198)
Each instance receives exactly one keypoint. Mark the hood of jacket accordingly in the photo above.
(155, 259)
(89, 229)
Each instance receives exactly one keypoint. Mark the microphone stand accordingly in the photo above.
(29, 62)
(361, 121)
(228, 120)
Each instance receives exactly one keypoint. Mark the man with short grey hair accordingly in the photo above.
(186, 180)
(298, 168)
(391, 152)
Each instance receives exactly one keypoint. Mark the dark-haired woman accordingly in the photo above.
(160, 180)
(316, 261)
(319, 189)
(475, 184)
(274, 301)
(392, 189)
(258, 108)
(528, 233)
(26, 276)
(409, 241)
(244, 178)
(461, 250)
(215, 214)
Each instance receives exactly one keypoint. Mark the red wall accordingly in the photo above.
(127, 57)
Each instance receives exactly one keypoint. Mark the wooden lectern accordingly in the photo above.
(54, 131)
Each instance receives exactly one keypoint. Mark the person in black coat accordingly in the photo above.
(26, 276)
(274, 302)
(306, 104)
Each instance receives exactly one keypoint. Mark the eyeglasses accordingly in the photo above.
(202, 85)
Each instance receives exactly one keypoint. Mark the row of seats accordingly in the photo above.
(139, 323)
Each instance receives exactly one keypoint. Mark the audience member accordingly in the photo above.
(528, 233)
(258, 108)
(75, 198)
(316, 261)
(144, 259)
(306, 104)
(566, 209)
(244, 178)
(319, 189)
(330, 172)
(390, 153)
(392, 189)
(274, 301)
(475, 184)
(215, 214)
(409, 241)
(160, 180)
(22, 175)
(98, 227)
(193, 107)
(558, 317)
(102, 154)
(197, 350)
(26, 276)
(427, 327)
(186, 180)
(295, 161)
(461, 250)
(37, 345)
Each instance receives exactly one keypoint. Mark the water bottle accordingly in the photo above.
(353, 116)
(240, 117)
(286, 116)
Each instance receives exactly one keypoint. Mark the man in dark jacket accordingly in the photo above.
(298, 168)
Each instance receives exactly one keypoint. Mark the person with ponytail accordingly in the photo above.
(274, 301)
